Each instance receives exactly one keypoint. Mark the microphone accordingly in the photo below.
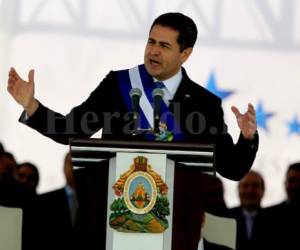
(135, 95)
(157, 95)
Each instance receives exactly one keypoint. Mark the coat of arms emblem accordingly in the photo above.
(141, 204)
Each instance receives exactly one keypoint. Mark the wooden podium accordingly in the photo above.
(98, 164)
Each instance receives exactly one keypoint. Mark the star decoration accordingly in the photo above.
(212, 87)
(262, 116)
(294, 126)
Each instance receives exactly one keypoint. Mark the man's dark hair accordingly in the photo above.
(295, 166)
(262, 181)
(9, 155)
(183, 24)
(1, 149)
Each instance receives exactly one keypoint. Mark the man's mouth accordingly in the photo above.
(154, 62)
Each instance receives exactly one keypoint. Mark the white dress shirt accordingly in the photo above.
(171, 86)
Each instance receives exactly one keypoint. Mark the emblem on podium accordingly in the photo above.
(141, 203)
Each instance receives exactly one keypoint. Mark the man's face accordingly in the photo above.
(162, 56)
(6, 166)
(26, 176)
(292, 185)
(251, 191)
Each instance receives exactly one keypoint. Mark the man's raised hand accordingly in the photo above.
(246, 121)
(22, 91)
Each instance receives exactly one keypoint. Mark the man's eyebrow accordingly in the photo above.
(165, 44)
(162, 43)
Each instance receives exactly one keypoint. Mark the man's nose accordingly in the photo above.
(155, 50)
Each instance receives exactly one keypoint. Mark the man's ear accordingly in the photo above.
(185, 54)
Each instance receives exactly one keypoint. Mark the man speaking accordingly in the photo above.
(187, 111)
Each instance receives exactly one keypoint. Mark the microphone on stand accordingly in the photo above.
(135, 95)
(157, 95)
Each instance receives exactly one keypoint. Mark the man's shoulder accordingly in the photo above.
(277, 207)
(113, 75)
(237, 208)
(235, 211)
(197, 89)
(201, 93)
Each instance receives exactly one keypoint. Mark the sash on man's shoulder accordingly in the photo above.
(138, 77)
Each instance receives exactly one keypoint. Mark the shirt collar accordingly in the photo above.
(249, 213)
(172, 83)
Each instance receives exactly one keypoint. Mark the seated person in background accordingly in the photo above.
(216, 204)
(249, 214)
(292, 185)
(59, 212)
(10, 191)
(15, 194)
(7, 163)
(28, 175)
(283, 219)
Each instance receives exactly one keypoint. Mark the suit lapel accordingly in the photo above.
(184, 91)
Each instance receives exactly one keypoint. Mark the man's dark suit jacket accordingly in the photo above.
(15, 194)
(281, 228)
(198, 111)
(200, 116)
(56, 228)
(242, 241)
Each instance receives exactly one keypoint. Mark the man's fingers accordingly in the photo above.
(10, 89)
(11, 81)
(14, 73)
(235, 111)
(250, 106)
(251, 116)
(251, 109)
(251, 113)
(31, 76)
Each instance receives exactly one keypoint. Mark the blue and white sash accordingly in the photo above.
(138, 77)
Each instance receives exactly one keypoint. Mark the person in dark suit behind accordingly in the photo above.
(189, 113)
(216, 204)
(282, 220)
(14, 193)
(249, 214)
(59, 212)
(27, 174)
